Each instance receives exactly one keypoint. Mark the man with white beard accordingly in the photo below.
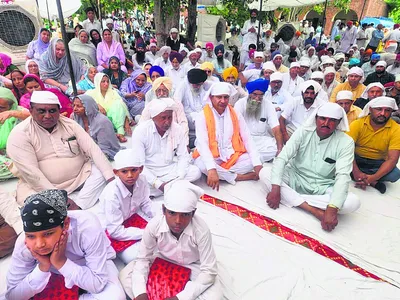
(260, 117)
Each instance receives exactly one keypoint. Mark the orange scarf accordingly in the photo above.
(237, 142)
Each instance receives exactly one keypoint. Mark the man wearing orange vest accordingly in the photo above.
(224, 147)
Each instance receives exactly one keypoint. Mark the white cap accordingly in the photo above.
(305, 62)
(295, 64)
(44, 97)
(164, 49)
(269, 65)
(382, 101)
(356, 71)
(329, 70)
(109, 21)
(182, 196)
(157, 106)
(306, 84)
(258, 54)
(317, 75)
(344, 95)
(222, 88)
(174, 30)
(127, 158)
(328, 110)
(277, 76)
(381, 63)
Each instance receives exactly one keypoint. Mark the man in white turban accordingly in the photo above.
(313, 170)
(177, 230)
(329, 81)
(192, 63)
(380, 75)
(225, 149)
(373, 90)
(377, 140)
(163, 144)
(163, 58)
(353, 84)
(276, 94)
(296, 112)
(344, 99)
(292, 80)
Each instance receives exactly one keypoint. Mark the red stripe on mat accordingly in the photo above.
(278, 229)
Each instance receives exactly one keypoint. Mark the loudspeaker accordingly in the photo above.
(19, 25)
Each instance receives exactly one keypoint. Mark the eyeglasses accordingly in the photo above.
(257, 96)
(208, 71)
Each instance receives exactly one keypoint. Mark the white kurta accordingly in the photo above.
(261, 129)
(295, 113)
(177, 76)
(290, 85)
(224, 131)
(162, 63)
(189, 66)
(279, 99)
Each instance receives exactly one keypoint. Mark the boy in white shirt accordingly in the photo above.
(181, 237)
(71, 243)
(124, 197)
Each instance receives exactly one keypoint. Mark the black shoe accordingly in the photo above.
(381, 187)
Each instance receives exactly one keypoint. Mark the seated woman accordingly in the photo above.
(108, 48)
(146, 68)
(82, 48)
(54, 68)
(32, 67)
(87, 83)
(98, 126)
(18, 86)
(10, 115)
(156, 72)
(5, 69)
(111, 104)
(114, 72)
(33, 83)
(95, 37)
(134, 89)
(37, 47)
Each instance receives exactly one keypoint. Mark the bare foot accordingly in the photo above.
(316, 212)
(247, 176)
(127, 128)
(121, 138)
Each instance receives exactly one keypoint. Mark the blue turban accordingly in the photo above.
(275, 53)
(157, 69)
(219, 47)
(257, 85)
(375, 56)
(354, 62)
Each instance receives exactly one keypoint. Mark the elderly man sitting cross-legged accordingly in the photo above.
(225, 149)
(313, 170)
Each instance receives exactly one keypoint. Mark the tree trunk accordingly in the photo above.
(166, 16)
(192, 24)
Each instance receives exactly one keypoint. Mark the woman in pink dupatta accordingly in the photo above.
(34, 83)
(108, 48)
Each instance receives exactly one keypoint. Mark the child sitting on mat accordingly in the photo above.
(72, 244)
(123, 198)
(181, 237)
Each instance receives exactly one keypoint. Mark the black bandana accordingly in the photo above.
(44, 210)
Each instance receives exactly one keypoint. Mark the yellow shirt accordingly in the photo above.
(357, 92)
(283, 69)
(374, 144)
(353, 114)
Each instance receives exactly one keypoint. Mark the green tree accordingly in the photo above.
(394, 10)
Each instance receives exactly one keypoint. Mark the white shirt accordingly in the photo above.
(177, 76)
(296, 113)
(87, 252)
(88, 26)
(151, 57)
(224, 131)
(206, 58)
(160, 62)
(193, 247)
(392, 70)
(263, 125)
(188, 66)
(249, 37)
(279, 98)
(118, 204)
(147, 141)
(290, 85)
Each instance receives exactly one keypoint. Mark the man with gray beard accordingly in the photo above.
(261, 120)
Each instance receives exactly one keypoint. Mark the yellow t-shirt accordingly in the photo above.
(353, 114)
(345, 86)
(283, 69)
(374, 144)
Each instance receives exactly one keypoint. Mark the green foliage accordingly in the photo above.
(234, 11)
(341, 4)
(394, 10)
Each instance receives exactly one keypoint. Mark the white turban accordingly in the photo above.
(317, 75)
(258, 54)
(157, 106)
(328, 60)
(164, 49)
(344, 95)
(184, 49)
(371, 85)
(269, 65)
(182, 196)
(305, 62)
(306, 84)
(152, 45)
(381, 63)
(328, 110)
(382, 101)
(174, 30)
(220, 88)
(295, 64)
(192, 52)
(356, 71)
(44, 97)
(277, 76)
(339, 56)
(329, 70)
(311, 48)
(127, 158)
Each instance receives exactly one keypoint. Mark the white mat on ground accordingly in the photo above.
(369, 238)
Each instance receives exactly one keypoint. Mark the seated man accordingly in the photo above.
(373, 90)
(51, 151)
(377, 140)
(178, 230)
(261, 119)
(124, 197)
(352, 84)
(276, 94)
(291, 80)
(164, 147)
(225, 149)
(72, 244)
(380, 75)
(344, 99)
(296, 112)
(313, 170)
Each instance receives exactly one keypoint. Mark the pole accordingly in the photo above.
(67, 52)
(100, 16)
(48, 14)
(259, 24)
(323, 22)
(362, 11)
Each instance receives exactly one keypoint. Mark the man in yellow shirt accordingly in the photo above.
(377, 145)
(352, 84)
(343, 98)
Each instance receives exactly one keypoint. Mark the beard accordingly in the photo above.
(253, 109)
(373, 63)
(140, 56)
(379, 72)
(195, 91)
(380, 120)
(220, 61)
